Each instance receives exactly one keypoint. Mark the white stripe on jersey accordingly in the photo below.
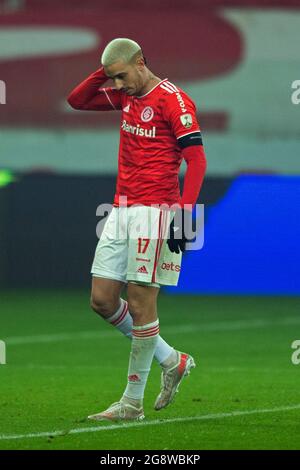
(108, 98)
(169, 87)
(172, 86)
(166, 88)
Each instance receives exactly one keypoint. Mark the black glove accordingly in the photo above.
(179, 228)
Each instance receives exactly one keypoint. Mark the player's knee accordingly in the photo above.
(104, 305)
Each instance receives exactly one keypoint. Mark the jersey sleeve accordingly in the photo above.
(107, 99)
(180, 112)
(89, 95)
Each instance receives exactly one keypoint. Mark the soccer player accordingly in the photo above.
(158, 130)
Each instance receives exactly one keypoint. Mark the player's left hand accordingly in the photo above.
(178, 228)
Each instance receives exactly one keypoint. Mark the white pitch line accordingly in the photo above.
(235, 325)
(147, 423)
(57, 337)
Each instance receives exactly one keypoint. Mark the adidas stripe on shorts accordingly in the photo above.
(133, 247)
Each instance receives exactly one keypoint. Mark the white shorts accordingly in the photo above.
(133, 247)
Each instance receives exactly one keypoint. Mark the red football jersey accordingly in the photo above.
(149, 153)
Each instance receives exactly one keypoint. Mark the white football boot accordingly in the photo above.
(120, 411)
(171, 378)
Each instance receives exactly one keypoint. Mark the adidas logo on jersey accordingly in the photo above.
(126, 109)
(143, 270)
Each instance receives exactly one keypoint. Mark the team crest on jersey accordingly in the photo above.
(186, 120)
(147, 114)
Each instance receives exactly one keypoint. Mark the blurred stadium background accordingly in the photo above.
(237, 60)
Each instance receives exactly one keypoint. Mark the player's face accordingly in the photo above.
(127, 77)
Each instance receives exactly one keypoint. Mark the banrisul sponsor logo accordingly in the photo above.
(138, 130)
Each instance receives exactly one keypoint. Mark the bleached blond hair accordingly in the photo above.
(120, 49)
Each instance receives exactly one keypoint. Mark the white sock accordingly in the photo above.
(143, 344)
(122, 320)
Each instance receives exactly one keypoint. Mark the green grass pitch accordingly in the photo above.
(64, 362)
